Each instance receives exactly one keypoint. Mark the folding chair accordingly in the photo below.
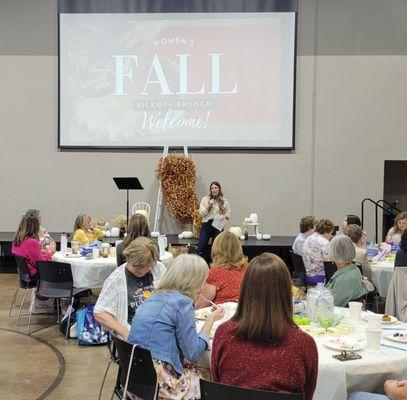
(25, 281)
(136, 372)
(141, 206)
(217, 391)
(299, 273)
(55, 281)
(330, 269)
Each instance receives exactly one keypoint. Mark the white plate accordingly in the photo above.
(397, 339)
(70, 255)
(392, 319)
(344, 344)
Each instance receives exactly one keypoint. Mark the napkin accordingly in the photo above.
(88, 249)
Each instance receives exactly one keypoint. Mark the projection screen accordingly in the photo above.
(131, 80)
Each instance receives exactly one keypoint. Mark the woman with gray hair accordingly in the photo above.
(165, 325)
(347, 282)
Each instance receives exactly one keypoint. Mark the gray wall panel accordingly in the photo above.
(362, 27)
(28, 27)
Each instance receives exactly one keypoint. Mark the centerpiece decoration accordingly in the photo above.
(121, 221)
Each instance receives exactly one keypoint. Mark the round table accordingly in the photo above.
(87, 272)
(381, 275)
(92, 272)
(336, 378)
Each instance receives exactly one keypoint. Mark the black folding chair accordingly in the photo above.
(136, 372)
(217, 391)
(299, 273)
(55, 281)
(25, 281)
(330, 269)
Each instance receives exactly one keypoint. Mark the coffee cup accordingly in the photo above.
(355, 310)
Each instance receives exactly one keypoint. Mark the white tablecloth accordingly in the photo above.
(382, 274)
(92, 273)
(88, 272)
(336, 378)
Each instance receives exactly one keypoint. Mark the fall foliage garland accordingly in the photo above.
(177, 177)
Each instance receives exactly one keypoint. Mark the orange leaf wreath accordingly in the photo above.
(177, 177)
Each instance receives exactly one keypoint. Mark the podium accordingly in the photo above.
(128, 184)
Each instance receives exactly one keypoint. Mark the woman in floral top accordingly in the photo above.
(315, 251)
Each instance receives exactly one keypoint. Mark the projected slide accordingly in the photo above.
(203, 80)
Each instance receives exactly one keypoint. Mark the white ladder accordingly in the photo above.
(160, 202)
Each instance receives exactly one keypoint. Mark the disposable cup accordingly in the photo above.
(75, 247)
(355, 310)
(374, 322)
(373, 338)
(95, 253)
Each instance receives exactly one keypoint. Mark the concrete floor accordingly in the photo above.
(44, 365)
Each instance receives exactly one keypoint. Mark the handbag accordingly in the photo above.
(90, 332)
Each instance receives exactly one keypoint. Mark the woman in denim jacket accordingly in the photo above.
(165, 325)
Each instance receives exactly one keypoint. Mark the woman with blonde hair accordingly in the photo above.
(226, 273)
(83, 231)
(138, 226)
(129, 286)
(165, 325)
(262, 336)
(400, 225)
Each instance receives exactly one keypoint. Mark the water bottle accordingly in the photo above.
(64, 243)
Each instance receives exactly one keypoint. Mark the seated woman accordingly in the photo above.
(46, 241)
(129, 286)
(307, 228)
(83, 231)
(138, 226)
(400, 225)
(315, 251)
(352, 219)
(261, 347)
(355, 233)
(401, 255)
(26, 243)
(347, 282)
(165, 325)
(226, 273)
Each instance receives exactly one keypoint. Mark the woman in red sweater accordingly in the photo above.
(26, 243)
(226, 273)
(261, 347)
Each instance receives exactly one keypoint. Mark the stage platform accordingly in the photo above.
(252, 247)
